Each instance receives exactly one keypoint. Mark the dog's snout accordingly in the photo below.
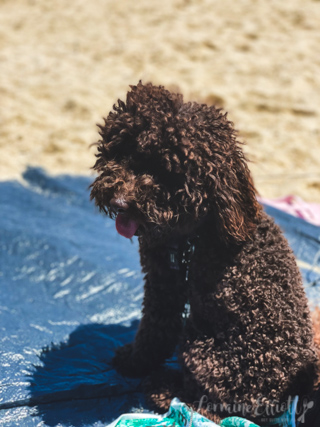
(119, 205)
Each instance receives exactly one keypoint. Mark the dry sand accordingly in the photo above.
(63, 64)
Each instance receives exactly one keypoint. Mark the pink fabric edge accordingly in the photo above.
(295, 206)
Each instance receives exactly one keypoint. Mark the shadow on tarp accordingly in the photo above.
(79, 370)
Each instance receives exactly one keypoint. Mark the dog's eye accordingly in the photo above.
(160, 175)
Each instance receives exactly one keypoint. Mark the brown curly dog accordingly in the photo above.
(174, 174)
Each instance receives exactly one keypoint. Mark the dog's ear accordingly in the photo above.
(235, 205)
(217, 165)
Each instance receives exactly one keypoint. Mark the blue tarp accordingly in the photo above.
(70, 292)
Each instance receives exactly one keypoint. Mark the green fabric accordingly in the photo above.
(146, 422)
(237, 422)
(179, 415)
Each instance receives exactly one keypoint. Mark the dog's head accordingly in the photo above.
(164, 165)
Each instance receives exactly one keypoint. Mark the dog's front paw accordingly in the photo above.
(127, 362)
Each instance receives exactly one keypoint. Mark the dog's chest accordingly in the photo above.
(181, 256)
(200, 269)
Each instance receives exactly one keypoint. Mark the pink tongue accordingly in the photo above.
(126, 226)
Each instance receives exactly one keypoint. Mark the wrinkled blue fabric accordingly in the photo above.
(70, 292)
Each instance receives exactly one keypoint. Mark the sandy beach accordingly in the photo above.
(64, 64)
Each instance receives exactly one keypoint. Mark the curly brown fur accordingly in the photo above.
(182, 176)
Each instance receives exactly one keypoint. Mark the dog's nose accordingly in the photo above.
(119, 205)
